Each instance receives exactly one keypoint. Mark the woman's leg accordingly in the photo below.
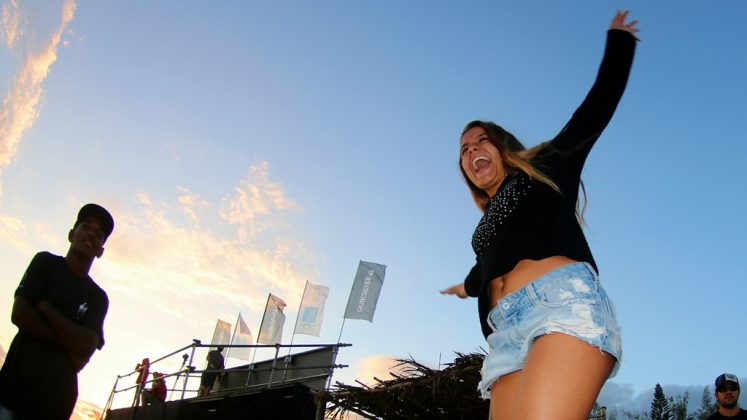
(561, 379)
(503, 395)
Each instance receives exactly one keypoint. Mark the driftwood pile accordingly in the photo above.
(415, 392)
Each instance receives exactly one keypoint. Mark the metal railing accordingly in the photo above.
(188, 370)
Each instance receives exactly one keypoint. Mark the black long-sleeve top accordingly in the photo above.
(527, 219)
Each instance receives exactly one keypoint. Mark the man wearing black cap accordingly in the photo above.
(59, 311)
(727, 396)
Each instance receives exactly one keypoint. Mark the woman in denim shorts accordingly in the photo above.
(549, 324)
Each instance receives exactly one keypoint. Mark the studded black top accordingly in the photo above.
(527, 219)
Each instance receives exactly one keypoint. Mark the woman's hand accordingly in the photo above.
(618, 22)
(457, 289)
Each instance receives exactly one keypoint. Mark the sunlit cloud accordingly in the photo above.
(375, 367)
(615, 394)
(85, 410)
(20, 107)
(189, 202)
(66, 42)
(252, 201)
(11, 29)
(191, 252)
(13, 232)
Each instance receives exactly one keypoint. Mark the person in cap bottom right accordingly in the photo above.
(727, 397)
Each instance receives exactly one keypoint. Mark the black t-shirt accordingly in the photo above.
(742, 415)
(215, 359)
(527, 219)
(38, 379)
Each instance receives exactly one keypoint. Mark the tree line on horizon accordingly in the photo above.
(669, 408)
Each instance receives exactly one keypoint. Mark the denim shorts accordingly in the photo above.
(568, 300)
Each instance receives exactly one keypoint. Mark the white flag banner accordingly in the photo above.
(271, 330)
(365, 292)
(311, 311)
(222, 333)
(242, 335)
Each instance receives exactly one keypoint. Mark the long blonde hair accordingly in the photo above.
(515, 159)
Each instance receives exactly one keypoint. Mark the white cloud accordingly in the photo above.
(190, 202)
(85, 410)
(191, 252)
(20, 106)
(375, 367)
(616, 395)
(11, 29)
(253, 201)
(13, 232)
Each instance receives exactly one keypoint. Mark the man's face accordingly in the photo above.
(88, 237)
(727, 395)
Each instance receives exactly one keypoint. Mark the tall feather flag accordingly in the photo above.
(271, 328)
(222, 333)
(241, 335)
(365, 292)
(311, 311)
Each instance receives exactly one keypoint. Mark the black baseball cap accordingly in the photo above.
(727, 377)
(99, 213)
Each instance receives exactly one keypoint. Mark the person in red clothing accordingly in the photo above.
(143, 368)
(157, 392)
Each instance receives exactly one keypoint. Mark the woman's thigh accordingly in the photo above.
(503, 395)
(561, 379)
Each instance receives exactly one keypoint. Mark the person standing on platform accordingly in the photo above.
(214, 366)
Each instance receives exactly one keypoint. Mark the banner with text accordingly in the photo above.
(365, 292)
(242, 335)
(271, 330)
(311, 311)
(222, 333)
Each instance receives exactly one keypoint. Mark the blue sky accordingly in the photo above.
(246, 147)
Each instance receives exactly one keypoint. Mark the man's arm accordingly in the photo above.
(80, 342)
(30, 321)
(49, 325)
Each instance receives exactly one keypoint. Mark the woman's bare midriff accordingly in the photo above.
(524, 273)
